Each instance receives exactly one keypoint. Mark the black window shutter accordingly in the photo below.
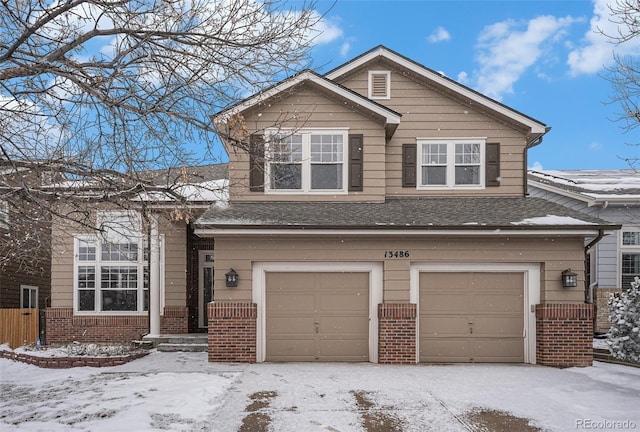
(355, 163)
(409, 165)
(492, 169)
(256, 163)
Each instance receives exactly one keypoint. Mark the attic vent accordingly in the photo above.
(379, 84)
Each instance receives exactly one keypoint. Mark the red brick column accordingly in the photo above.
(397, 333)
(232, 332)
(58, 322)
(175, 320)
(564, 335)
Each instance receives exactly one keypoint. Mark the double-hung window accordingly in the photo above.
(111, 268)
(309, 161)
(451, 163)
(630, 255)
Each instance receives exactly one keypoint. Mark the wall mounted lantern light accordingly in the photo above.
(232, 278)
(569, 279)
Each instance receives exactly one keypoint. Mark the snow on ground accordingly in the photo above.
(183, 392)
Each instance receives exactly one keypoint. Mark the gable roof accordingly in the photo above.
(537, 128)
(595, 187)
(493, 216)
(391, 117)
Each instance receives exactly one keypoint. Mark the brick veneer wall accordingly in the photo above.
(397, 333)
(564, 335)
(602, 324)
(64, 327)
(232, 332)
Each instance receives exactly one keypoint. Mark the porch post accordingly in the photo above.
(154, 278)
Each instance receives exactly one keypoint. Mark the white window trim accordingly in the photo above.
(97, 263)
(451, 165)
(624, 249)
(306, 162)
(30, 288)
(387, 80)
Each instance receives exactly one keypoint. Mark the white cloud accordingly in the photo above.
(344, 49)
(328, 31)
(509, 48)
(596, 52)
(595, 145)
(440, 34)
(537, 166)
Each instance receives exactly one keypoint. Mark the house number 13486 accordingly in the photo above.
(396, 254)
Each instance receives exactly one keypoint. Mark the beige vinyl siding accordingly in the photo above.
(553, 253)
(312, 110)
(427, 113)
(62, 264)
(175, 262)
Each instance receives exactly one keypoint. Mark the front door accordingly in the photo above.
(205, 286)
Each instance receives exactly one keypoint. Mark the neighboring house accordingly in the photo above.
(375, 213)
(612, 195)
(25, 247)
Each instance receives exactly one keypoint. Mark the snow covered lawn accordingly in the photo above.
(183, 392)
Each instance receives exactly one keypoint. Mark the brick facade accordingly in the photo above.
(64, 327)
(564, 335)
(602, 324)
(397, 333)
(232, 332)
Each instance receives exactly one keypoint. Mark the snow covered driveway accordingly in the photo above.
(182, 392)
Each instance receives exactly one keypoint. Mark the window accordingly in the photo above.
(452, 163)
(28, 297)
(307, 161)
(379, 85)
(630, 255)
(4, 214)
(111, 268)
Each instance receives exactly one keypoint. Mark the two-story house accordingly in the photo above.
(612, 195)
(376, 213)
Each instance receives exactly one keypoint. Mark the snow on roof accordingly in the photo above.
(597, 184)
(211, 190)
(552, 220)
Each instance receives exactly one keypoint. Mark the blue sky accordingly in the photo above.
(543, 58)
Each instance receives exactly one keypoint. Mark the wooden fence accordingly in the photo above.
(18, 327)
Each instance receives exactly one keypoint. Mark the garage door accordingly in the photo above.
(317, 316)
(471, 317)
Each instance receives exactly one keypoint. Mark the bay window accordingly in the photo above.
(307, 161)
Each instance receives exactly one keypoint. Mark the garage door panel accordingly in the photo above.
(498, 326)
(471, 316)
(344, 325)
(290, 325)
(510, 350)
(344, 350)
(292, 350)
(341, 302)
(443, 325)
(290, 301)
(447, 350)
(436, 302)
(497, 303)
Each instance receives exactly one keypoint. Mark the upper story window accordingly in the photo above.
(310, 161)
(450, 163)
(379, 85)
(630, 255)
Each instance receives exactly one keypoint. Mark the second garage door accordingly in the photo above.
(317, 316)
(471, 317)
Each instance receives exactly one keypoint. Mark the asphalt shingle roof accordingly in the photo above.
(422, 213)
